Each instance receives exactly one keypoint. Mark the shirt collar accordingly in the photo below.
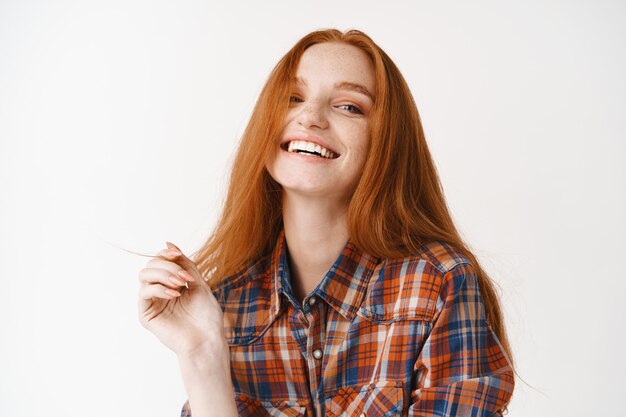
(343, 286)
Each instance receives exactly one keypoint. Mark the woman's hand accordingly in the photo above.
(177, 305)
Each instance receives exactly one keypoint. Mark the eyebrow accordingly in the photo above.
(345, 85)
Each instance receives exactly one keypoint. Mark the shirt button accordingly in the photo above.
(312, 301)
(363, 415)
(317, 354)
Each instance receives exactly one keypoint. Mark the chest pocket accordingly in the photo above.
(405, 290)
(380, 399)
(251, 407)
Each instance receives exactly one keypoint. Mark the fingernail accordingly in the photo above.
(176, 280)
(186, 275)
(172, 292)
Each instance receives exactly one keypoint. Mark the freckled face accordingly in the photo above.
(324, 143)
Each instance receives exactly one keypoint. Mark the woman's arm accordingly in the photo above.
(206, 376)
(181, 310)
(462, 369)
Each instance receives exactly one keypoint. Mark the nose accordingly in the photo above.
(311, 114)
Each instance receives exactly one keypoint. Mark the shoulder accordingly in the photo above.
(441, 255)
(428, 267)
(411, 287)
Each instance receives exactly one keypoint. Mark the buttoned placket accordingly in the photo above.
(315, 348)
(308, 320)
(309, 329)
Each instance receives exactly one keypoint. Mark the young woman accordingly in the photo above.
(335, 283)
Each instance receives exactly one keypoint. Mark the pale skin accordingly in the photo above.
(316, 193)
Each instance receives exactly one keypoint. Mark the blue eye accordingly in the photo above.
(358, 111)
(350, 107)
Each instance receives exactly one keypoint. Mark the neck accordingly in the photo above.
(315, 231)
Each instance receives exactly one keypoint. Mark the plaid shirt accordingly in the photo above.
(377, 337)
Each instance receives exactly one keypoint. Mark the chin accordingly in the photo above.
(305, 189)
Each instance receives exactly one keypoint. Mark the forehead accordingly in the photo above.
(336, 62)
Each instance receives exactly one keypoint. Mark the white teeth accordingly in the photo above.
(300, 145)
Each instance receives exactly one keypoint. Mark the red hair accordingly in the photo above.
(397, 206)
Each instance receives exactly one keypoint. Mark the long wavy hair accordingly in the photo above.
(397, 206)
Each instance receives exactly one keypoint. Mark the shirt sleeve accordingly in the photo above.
(462, 369)
(186, 410)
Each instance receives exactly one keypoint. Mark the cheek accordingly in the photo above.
(272, 161)
(288, 120)
(360, 146)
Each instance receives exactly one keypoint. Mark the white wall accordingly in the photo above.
(118, 119)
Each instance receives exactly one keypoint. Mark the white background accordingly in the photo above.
(118, 122)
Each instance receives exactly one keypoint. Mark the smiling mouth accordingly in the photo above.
(309, 148)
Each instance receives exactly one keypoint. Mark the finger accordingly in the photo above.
(160, 263)
(174, 269)
(147, 293)
(175, 265)
(174, 254)
(170, 245)
(193, 282)
(160, 276)
(179, 257)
